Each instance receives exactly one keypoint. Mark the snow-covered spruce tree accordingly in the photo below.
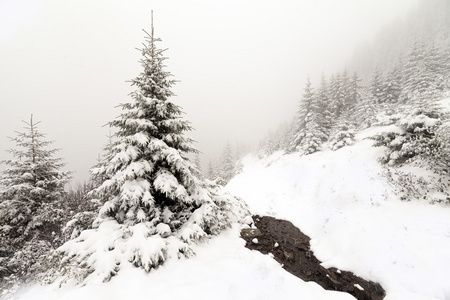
(31, 213)
(346, 88)
(392, 86)
(228, 163)
(156, 204)
(337, 95)
(376, 87)
(418, 83)
(323, 103)
(364, 114)
(313, 131)
(303, 116)
(283, 136)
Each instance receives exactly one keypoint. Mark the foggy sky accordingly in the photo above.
(241, 64)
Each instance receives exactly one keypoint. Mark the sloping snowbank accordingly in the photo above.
(222, 269)
(340, 200)
(354, 220)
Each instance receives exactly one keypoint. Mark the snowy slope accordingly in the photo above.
(222, 269)
(340, 200)
(355, 221)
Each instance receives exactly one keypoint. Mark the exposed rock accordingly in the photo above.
(291, 248)
(250, 233)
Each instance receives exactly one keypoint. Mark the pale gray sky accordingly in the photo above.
(241, 63)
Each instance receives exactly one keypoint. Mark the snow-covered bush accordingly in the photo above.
(81, 210)
(422, 142)
(419, 185)
(442, 139)
(79, 222)
(415, 141)
(343, 137)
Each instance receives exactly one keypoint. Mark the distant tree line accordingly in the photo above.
(412, 69)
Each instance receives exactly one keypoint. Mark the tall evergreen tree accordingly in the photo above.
(435, 63)
(376, 86)
(303, 115)
(30, 207)
(315, 135)
(310, 132)
(392, 86)
(337, 95)
(156, 205)
(355, 95)
(346, 88)
(323, 102)
(228, 163)
(416, 78)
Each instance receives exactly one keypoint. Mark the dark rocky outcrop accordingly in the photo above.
(291, 248)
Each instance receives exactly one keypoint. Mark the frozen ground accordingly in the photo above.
(340, 200)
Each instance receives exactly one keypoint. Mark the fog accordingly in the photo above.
(241, 65)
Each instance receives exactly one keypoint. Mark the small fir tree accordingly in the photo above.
(30, 209)
(228, 163)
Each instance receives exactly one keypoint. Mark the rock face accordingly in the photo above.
(291, 248)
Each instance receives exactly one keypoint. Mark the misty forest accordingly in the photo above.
(362, 169)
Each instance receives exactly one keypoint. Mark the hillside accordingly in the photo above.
(361, 174)
(355, 220)
(341, 199)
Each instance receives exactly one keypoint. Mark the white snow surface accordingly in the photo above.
(221, 269)
(340, 200)
(354, 220)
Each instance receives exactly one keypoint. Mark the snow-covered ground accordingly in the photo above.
(354, 220)
(222, 269)
(340, 200)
